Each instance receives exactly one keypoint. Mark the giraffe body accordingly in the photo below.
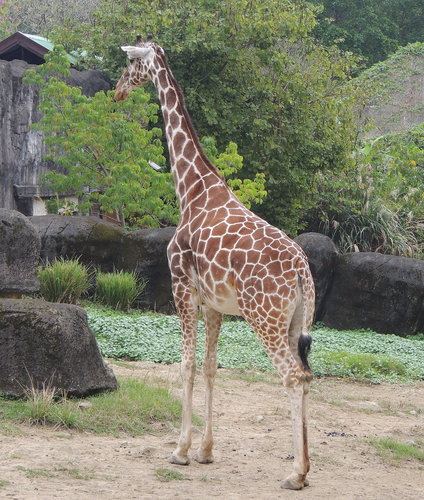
(226, 260)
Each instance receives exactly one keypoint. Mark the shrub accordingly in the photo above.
(64, 281)
(118, 290)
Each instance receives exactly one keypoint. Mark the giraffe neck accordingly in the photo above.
(192, 170)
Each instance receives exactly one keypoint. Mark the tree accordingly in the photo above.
(41, 17)
(251, 75)
(372, 29)
(7, 22)
(104, 150)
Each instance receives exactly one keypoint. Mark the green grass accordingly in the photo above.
(64, 281)
(75, 473)
(133, 409)
(166, 475)
(393, 450)
(32, 473)
(119, 289)
(359, 354)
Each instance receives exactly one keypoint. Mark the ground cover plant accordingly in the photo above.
(358, 354)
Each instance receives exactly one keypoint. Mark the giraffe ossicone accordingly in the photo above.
(225, 259)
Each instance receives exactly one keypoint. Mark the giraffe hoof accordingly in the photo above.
(293, 484)
(203, 459)
(174, 459)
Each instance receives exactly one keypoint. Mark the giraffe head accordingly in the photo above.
(138, 71)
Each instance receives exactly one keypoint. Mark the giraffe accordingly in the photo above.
(226, 260)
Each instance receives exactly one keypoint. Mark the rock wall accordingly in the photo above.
(22, 148)
(358, 290)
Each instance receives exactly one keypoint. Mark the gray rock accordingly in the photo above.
(321, 252)
(46, 343)
(381, 292)
(146, 251)
(95, 242)
(19, 254)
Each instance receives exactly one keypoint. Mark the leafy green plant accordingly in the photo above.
(103, 147)
(229, 163)
(378, 205)
(376, 229)
(119, 289)
(64, 280)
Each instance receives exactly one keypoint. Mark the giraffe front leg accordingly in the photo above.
(213, 321)
(186, 303)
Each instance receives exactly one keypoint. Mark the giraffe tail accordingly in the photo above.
(305, 340)
(304, 347)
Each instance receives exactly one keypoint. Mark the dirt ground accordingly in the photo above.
(252, 447)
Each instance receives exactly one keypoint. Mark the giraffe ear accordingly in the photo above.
(135, 52)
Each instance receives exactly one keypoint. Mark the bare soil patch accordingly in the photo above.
(252, 446)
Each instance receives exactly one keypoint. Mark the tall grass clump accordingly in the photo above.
(119, 289)
(64, 281)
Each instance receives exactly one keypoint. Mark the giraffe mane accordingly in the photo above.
(192, 130)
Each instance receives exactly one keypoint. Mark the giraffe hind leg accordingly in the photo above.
(286, 358)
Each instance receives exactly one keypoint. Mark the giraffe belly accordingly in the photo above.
(225, 303)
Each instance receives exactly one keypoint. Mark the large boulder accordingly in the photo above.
(146, 252)
(321, 252)
(45, 343)
(93, 241)
(19, 254)
(107, 247)
(381, 292)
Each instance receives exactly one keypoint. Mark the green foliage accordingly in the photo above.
(372, 29)
(41, 16)
(64, 281)
(103, 147)
(132, 409)
(383, 81)
(158, 338)
(252, 75)
(118, 290)
(378, 205)
(229, 163)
